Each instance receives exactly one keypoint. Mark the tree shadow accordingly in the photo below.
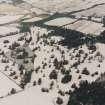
(88, 94)
(73, 38)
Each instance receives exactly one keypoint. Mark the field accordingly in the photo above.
(9, 19)
(24, 98)
(7, 85)
(65, 6)
(7, 82)
(86, 27)
(60, 21)
(7, 30)
(82, 25)
(11, 9)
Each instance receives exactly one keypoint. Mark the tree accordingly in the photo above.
(26, 78)
(13, 91)
(24, 27)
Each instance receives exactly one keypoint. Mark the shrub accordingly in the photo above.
(28, 40)
(53, 75)
(26, 61)
(63, 71)
(59, 101)
(12, 74)
(81, 52)
(21, 38)
(6, 41)
(33, 58)
(16, 77)
(34, 83)
(57, 64)
(92, 47)
(37, 69)
(21, 54)
(77, 71)
(96, 73)
(21, 67)
(39, 81)
(85, 71)
(44, 90)
(73, 85)
(5, 60)
(99, 65)
(79, 77)
(65, 62)
(51, 85)
(14, 45)
(67, 78)
(61, 92)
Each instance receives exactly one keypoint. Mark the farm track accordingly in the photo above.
(77, 11)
